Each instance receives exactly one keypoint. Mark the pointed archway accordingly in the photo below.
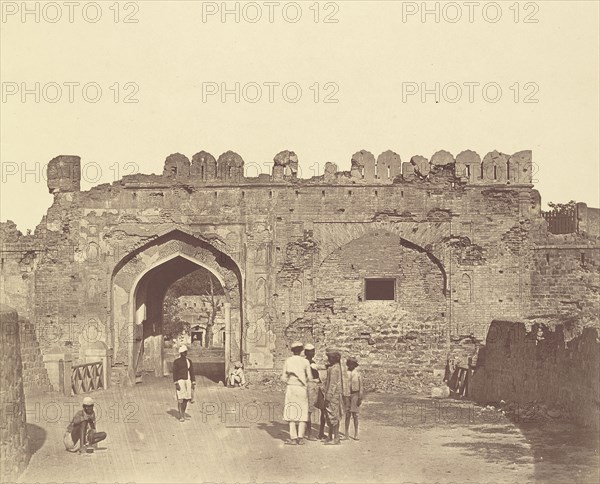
(139, 284)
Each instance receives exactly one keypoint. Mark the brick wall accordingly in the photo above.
(588, 220)
(593, 222)
(35, 375)
(539, 366)
(14, 452)
(456, 240)
(565, 284)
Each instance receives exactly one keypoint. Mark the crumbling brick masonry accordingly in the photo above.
(539, 366)
(391, 260)
(14, 450)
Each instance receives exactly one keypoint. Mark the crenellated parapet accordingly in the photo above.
(64, 172)
(453, 239)
(467, 167)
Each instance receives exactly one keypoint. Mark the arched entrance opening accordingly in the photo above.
(194, 313)
(140, 283)
(154, 353)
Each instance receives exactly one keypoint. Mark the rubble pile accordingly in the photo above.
(271, 381)
(404, 384)
(535, 411)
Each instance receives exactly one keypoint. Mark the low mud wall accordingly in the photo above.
(540, 366)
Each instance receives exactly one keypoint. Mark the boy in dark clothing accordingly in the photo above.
(334, 391)
(313, 389)
(185, 381)
(323, 420)
(81, 432)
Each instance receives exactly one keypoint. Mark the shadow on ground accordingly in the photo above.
(563, 452)
(37, 437)
(173, 413)
(277, 430)
(403, 439)
(559, 451)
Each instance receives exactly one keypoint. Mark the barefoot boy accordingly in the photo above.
(354, 401)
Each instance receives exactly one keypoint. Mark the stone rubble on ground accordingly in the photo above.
(527, 412)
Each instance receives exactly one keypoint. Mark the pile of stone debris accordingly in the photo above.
(535, 411)
(271, 381)
(373, 384)
(394, 384)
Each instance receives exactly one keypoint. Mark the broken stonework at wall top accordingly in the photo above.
(64, 172)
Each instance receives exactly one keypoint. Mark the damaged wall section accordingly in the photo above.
(565, 283)
(453, 233)
(399, 341)
(539, 366)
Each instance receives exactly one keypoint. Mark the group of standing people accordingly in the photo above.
(339, 394)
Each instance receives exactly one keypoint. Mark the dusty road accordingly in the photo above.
(237, 435)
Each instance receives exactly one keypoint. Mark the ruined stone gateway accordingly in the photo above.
(390, 261)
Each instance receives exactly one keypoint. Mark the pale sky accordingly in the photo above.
(371, 60)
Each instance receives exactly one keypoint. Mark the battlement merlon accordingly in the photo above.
(64, 172)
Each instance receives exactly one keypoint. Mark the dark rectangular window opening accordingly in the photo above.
(380, 289)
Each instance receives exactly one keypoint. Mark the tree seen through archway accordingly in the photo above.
(200, 282)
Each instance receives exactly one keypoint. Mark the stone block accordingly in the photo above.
(420, 165)
(389, 165)
(330, 172)
(442, 158)
(468, 165)
(363, 165)
(288, 162)
(177, 166)
(520, 167)
(408, 170)
(494, 167)
(64, 174)
(230, 167)
(203, 166)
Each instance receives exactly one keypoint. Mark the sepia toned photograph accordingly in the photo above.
(303, 242)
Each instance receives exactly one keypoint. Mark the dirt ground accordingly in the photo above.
(237, 435)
